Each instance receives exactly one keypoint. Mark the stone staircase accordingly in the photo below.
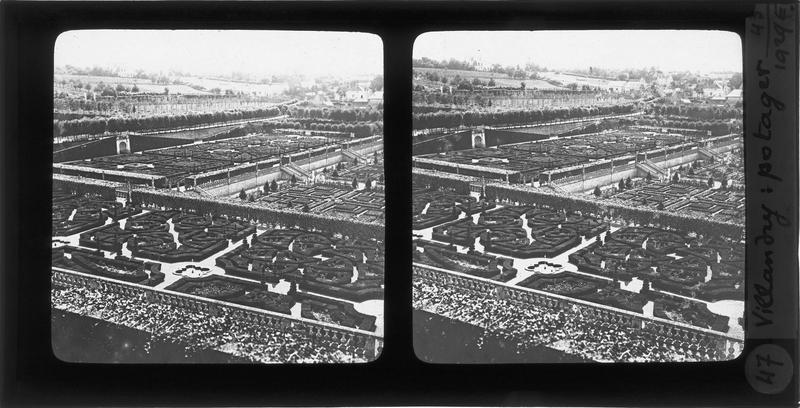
(648, 166)
(351, 154)
(295, 170)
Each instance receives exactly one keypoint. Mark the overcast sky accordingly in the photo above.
(210, 52)
(668, 50)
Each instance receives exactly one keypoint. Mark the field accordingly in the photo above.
(191, 87)
(567, 79)
(246, 87)
(144, 85)
(502, 80)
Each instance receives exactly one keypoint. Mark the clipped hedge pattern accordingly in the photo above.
(260, 213)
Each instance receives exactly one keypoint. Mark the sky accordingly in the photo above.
(215, 52)
(668, 50)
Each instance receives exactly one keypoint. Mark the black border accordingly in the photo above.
(33, 377)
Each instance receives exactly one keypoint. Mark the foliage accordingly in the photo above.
(155, 122)
(261, 213)
(638, 215)
(453, 119)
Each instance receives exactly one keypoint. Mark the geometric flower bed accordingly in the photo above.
(112, 237)
(330, 199)
(587, 288)
(564, 283)
(702, 202)
(235, 291)
(369, 206)
(315, 261)
(152, 163)
(473, 263)
(90, 211)
(120, 268)
(619, 298)
(502, 231)
(671, 261)
(330, 311)
(687, 311)
(149, 236)
(544, 155)
(243, 149)
(181, 161)
(443, 206)
(268, 257)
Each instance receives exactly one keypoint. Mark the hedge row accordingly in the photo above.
(260, 213)
(700, 112)
(81, 185)
(467, 169)
(453, 119)
(120, 124)
(716, 126)
(642, 216)
(459, 184)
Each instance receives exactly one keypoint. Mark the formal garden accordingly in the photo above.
(522, 231)
(535, 157)
(698, 199)
(472, 263)
(433, 206)
(119, 267)
(74, 213)
(331, 199)
(349, 269)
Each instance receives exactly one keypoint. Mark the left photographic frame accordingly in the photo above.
(217, 210)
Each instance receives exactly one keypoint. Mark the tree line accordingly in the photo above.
(360, 129)
(716, 126)
(698, 112)
(155, 122)
(451, 119)
(343, 115)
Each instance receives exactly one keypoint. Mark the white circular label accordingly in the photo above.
(769, 369)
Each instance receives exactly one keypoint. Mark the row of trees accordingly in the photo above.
(515, 72)
(453, 63)
(81, 185)
(128, 104)
(120, 124)
(451, 119)
(344, 114)
(698, 112)
(458, 97)
(456, 183)
(359, 129)
(716, 126)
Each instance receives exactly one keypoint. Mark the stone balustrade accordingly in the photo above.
(684, 333)
(341, 337)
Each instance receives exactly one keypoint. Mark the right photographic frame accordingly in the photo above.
(578, 196)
